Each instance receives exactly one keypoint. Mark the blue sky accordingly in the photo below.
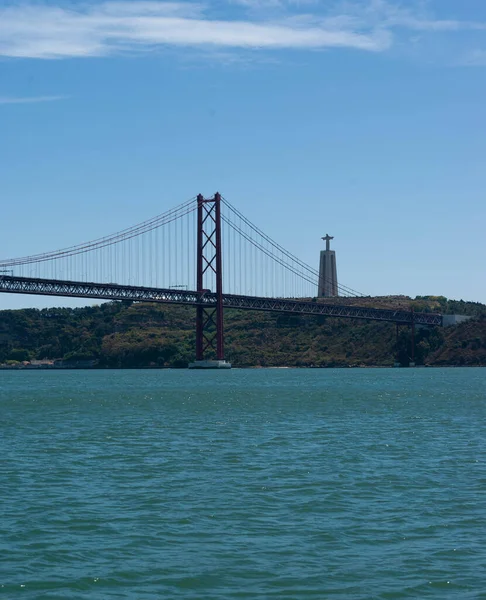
(363, 118)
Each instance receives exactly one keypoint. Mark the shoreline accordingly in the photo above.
(148, 368)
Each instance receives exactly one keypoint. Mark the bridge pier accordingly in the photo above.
(412, 341)
(397, 349)
(411, 356)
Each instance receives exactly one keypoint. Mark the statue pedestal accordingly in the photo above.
(328, 285)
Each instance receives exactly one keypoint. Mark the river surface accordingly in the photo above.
(272, 483)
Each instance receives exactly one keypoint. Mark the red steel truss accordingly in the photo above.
(209, 300)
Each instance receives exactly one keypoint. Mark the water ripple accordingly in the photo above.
(293, 484)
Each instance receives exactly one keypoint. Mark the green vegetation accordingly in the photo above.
(126, 335)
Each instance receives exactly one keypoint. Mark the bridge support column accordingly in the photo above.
(412, 341)
(209, 318)
(397, 347)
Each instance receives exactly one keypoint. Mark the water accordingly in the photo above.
(243, 484)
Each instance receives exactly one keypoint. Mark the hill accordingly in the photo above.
(130, 335)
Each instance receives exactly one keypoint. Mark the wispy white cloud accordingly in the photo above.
(411, 15)
(45, 30)
(419, 28)
(29, 99)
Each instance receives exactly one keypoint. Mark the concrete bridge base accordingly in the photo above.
(209, 364)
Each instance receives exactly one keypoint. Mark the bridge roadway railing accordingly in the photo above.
(112, 291)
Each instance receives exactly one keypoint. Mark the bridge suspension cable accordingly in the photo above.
(274, 250)
(157, 252)
(126, 234)
(161, 252)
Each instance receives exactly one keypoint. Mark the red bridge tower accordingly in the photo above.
(209, 318)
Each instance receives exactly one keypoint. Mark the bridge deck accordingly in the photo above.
(111, 291)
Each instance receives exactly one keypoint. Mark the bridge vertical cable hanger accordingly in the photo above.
(291, 276)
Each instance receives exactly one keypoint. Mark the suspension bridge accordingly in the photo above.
(203, 253)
